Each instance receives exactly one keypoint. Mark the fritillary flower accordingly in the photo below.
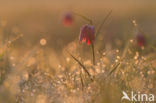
(87, 34)
(68, 19)
(140, 40)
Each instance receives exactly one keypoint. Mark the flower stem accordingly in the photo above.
(93, 52)
(84, 17)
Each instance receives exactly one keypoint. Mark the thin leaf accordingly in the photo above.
(84, 17)
(99, 29)
(113, 69)
(84, 68)
(82, 84)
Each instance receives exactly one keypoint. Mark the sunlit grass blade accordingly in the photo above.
(84, 68)
(113, 69)
(7, 45)
(99, 28)
(139, 29)
(82, 83)
(125, 50)
(84, 17)
(13, 40)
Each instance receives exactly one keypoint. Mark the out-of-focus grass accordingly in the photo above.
(34, 71)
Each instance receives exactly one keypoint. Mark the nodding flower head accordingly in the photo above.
(87, 34)
(68, 19)
(140, 40)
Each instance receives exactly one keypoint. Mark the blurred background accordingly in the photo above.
(36, 19)
(32, 67)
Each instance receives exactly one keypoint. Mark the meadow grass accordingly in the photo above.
(38, 76)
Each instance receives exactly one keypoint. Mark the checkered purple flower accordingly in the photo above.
(87, 34)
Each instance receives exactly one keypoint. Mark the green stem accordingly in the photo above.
(84, 17)
(93, 52)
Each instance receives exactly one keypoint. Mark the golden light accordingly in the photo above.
(43, 41)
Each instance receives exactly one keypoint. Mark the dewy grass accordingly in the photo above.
(40, 74)
(85, 69)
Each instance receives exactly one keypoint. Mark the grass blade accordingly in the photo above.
(113, 69)
(82, 83)
(99, 29)
(84, 68)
